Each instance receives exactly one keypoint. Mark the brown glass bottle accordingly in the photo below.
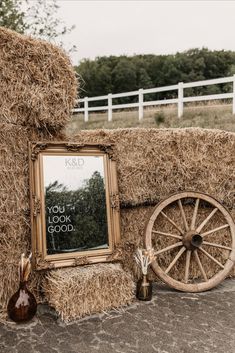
(144, 289)
(22, 306)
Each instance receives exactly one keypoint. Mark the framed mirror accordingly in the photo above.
(74, 204)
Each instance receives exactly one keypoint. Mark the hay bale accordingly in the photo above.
(37, 82)
(14, 205)
(151, 165)
(154, 163)
(38, 89)
(15, 235)
(81, 291)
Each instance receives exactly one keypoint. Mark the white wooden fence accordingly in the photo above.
(141, 103)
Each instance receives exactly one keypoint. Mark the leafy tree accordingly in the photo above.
(37, 18)
(11, 15)
(41, 18)
(143, 78)
(124, 75)
(97, 75)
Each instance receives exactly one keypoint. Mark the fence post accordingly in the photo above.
(110, 112)
(86, 109)
(141, 106)
(180, 99)
(233, 94)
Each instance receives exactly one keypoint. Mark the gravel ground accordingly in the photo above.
(172, 322)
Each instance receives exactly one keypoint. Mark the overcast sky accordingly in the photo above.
(64, 170)
(142, 27)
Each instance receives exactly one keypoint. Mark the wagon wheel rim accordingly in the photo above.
(191, 240)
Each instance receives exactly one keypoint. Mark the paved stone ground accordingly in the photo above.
(171, 322)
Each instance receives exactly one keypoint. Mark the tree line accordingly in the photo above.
(115, 74)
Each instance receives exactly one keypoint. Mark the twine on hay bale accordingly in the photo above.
(77, 292)
(37, 82)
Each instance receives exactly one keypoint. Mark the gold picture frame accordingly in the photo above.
(55, 169)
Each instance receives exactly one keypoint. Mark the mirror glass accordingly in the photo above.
(75, 203)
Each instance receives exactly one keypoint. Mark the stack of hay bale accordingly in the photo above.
(152, 164)
(38, 90)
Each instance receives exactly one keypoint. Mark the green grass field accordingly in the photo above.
(211, 116)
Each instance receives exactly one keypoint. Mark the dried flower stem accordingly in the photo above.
(24, 267)
(143, 259)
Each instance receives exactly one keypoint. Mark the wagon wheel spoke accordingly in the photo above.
(172, 222)
(217, 245)
(198, 230)
(183, 215)
(215, 230)
(193, 222)
(167, 234)
(200, 265)
(181, 251)
(188, 258)
(211, 257)
(176, 245)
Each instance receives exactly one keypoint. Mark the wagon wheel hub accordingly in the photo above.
(192, 240)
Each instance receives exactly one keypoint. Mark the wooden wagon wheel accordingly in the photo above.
(191, 232)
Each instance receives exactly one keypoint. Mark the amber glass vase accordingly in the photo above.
(22, 306)
(144, 289)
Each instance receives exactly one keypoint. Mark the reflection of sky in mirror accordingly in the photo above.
(71, 171)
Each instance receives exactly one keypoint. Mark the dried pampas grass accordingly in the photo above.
(25, 267)
(143, 259)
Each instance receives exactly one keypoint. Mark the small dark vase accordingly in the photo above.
(144, 289)
(22, 306)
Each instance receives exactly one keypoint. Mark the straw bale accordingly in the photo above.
(38, 89)
(37, 82)
(154, 163)
(14, 205)
(151, 165)
(77, 292)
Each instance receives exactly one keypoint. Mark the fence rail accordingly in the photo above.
(141, 103)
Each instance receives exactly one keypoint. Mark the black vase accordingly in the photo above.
(22, 306)
(144, 289)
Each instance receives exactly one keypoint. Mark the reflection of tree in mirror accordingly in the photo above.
(76, 220)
